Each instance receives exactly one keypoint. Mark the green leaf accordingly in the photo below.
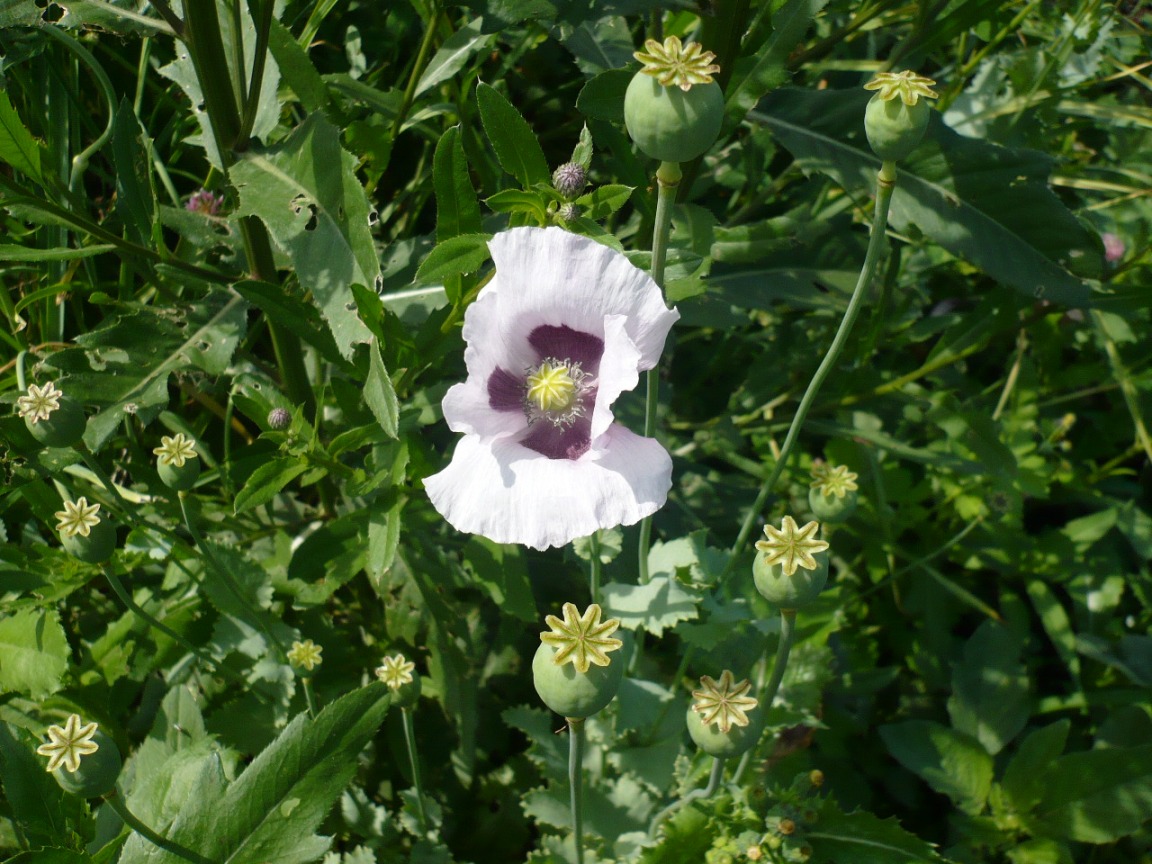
(33, 653)
(1057, 625)
(132, 158)
(457, 210)
(862, 838)
(295, 314)
(653, 607)
(520, 201)
(603, 201)
(12, 252)
(1097, 796)
(124, 364)
(49, 856)
(986, 204)
(457, 50)
(297, 68)
(949, 761)
(379, 393)
(516, 147)
(271, 811)
(1024, 777)
(1040, 851)
(383, 542)
(268, 480)
(502, 572)
(305, 190)
(463, 254)
(990, 698)
(602, 98)
(17, 146)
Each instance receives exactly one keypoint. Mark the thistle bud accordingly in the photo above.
(570, 179)
(279, 419)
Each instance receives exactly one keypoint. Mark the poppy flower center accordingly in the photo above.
(554, 391)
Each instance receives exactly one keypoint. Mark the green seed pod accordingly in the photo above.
(64, 428)
(789, 592)
(671, 124)
(831, 508)
(571, 693)
(96, 548)
(734, 742)
(897, 115)
(894, 129)
(407, 695)
(97, 773)
(179, 477)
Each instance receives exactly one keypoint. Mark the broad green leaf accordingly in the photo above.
(124, 364)
(305, 190)
(457, 210)
(33, 653)
(12, 252)
(1023, 780)
(292, 312)
(457, 50)
(268, 480)
(297, 69)
(512, 138)
(503, 574)
(949, 761)
(379, 393)
(37, 801)
(520, 201)
(1057, 625)
(862, 838)
(463, 254)
(1040, 851)
(17, 146)
(132, 158)
(653, 607)
(602, 98)
(383, 541)
(1097, 796)
(990, 698)
(767, 68)
(605, 200)
(49, 856)
(986, 204)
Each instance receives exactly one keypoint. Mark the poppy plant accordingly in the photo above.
(563, 328)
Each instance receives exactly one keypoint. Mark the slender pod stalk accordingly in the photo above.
(414, 760)
(667, 181)
(576, 782)
(714, 778)
(787, 637)
(885, 184)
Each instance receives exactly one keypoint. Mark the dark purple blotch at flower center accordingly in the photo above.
(507, 389)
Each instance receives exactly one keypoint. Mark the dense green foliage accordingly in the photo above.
(973, 685)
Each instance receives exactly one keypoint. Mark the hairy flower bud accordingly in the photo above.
(279, 419)
(570, 179)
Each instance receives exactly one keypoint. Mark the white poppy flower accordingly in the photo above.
(563, 328)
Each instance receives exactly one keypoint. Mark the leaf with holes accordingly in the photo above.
(305, 190)
(124, 365)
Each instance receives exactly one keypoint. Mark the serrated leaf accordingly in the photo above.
(605, 200)
(135, 194)
(306, 192)
(511, 137)
(1097, 796)
(519, 201)
(457, 49)
(602, 98)
(948, 761)
(33, 653)
(653, 607)
(463, 254)
(267, 481)
(502, 573)
(37, 801)
(457, 210)
(12, 252)
(17, 146)
(1023, 780)
(863, 838)
(986, 204)
(297, 68)
(379, 393)
(990, 688)
(295, 314)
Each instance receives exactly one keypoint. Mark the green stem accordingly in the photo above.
(595, 567)
(787, 637)
(885, 183)
(414, 760)
(262, 13)
(576, 782)
(667, 180)
(417, 70)
(309, 697)
(139, 611)
(708, 791)
(211, 64)
(133, 822)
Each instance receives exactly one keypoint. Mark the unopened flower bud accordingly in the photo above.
(279, 419)
(570, 179)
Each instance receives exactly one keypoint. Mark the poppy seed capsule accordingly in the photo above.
(97, 772)
(569, 692)
(671, 124)
(789, 592)
(709, 738)
(63, 429)
(894, 129)
(570, 179)
(96, 548)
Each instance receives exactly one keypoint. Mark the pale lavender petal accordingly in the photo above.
(618, 372)
(510, 494)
